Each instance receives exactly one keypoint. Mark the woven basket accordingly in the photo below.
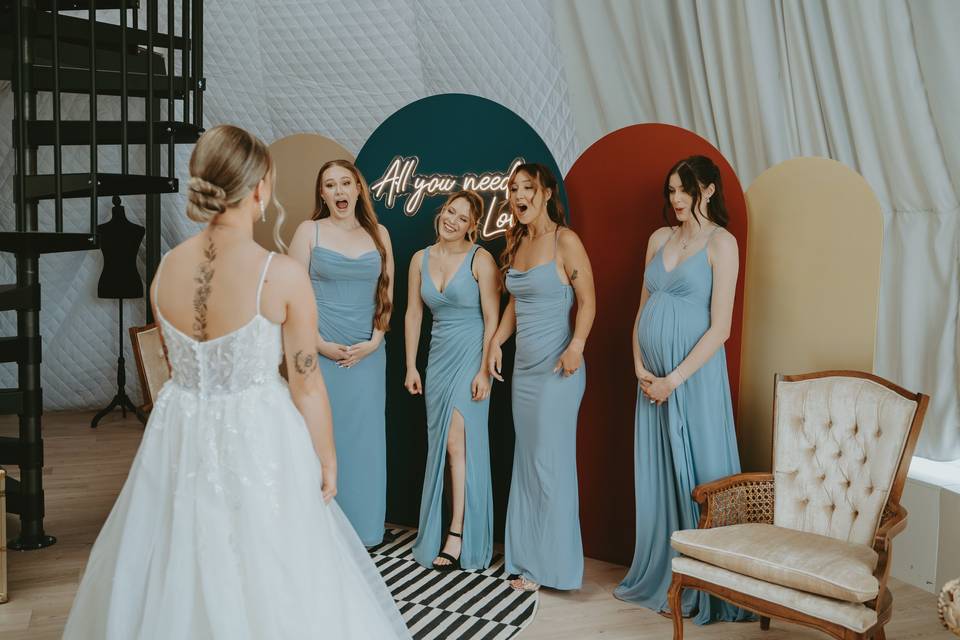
(948, 606)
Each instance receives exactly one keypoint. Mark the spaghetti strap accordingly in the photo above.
(263, 277)
(473, 255)
(316, 230)
(556, 240)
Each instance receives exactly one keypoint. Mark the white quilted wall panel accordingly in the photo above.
(277, 68)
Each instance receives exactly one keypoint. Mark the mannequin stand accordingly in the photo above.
(121, 400)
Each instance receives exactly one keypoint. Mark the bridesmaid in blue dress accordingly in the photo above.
(350, 262)
(546, 269)
(459, 282)
(684, 432)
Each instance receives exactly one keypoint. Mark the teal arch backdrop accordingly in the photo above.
(413, 160)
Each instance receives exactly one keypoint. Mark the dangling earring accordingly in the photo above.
(263, 211)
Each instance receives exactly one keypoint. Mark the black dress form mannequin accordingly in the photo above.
(120, 243)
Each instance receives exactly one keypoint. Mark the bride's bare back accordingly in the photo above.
(208, 285)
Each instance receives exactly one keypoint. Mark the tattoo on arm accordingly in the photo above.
(573, 276)
(305, 363)
(202, 294)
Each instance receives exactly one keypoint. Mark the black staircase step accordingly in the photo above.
(77, 30)
(41, 132)
(77, 185)
(73, 5)
(13, 297)
(9, 453)
(108, 82)
(19, 349)
(17, 401)
(11, 403)
(37, 242)
(77, 56)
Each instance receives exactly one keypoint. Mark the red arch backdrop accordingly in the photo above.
(615, 193)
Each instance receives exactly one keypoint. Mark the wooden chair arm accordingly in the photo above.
(893, 521)
(745, 497)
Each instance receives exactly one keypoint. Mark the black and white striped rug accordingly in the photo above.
(454, 605)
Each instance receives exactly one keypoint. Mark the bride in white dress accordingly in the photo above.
(225, 527)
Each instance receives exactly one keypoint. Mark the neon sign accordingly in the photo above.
(401, 179)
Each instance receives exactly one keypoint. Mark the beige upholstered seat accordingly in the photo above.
(810, 543)
(804, 561)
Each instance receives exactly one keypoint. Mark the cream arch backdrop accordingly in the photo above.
(812, 285)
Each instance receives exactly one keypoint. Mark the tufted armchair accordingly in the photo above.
(810, 543)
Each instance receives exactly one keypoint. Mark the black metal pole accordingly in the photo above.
(57, 149)
(124, 115)
(92, 17)
(199, 79)
(152, 151)
(19, 107)
(171, 73)
(32, 535)
(185, 62)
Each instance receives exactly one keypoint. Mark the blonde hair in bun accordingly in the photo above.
(226, 165)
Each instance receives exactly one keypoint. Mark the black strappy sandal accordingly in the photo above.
(454, 562)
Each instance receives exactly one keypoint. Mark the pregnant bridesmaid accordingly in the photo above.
(459, 282)
(350, 261)
(546, 268)
(684, 414)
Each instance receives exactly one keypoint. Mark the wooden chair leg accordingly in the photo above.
(764, 623)
(676, 606)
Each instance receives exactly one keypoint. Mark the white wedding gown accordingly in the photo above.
(221, 531)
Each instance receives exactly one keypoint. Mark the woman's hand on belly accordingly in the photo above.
(658, 390)
(643, 376)
(359, 351)
(332, 351)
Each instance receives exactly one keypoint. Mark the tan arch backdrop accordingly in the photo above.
(812, 285)
(298, 158)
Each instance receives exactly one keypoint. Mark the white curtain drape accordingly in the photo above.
(872, 84)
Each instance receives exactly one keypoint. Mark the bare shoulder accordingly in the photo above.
(307, 226)
(723, 241)
(484, 262)
(567, 239)
(384, 234)
(285, 270)
(484, 257)
(660, 236)
(417, 257)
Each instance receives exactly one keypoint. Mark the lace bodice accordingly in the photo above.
(234, 362)
(231, 363)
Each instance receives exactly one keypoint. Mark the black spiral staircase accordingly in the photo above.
(103, 52)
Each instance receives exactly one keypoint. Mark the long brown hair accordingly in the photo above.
(545, 180)
(474, 201)
(367, 217)
(697, 173)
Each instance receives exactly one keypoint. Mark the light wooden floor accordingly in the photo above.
(84, 472)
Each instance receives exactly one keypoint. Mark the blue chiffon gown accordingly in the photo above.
(686, 441)
(345, 291)
(456, 349)
(542, 539)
